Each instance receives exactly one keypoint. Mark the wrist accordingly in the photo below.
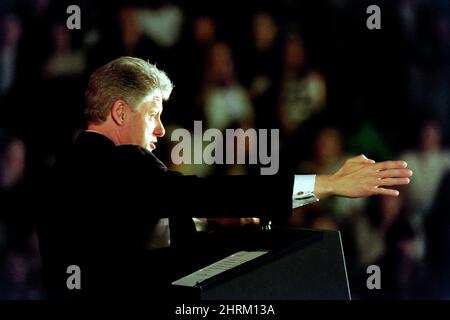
(324, 186)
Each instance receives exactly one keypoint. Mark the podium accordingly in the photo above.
(276, 264)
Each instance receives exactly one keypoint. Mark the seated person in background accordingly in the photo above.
(113, 187)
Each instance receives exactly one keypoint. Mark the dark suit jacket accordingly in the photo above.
(100, 200)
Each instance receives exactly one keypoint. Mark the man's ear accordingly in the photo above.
(119, 112)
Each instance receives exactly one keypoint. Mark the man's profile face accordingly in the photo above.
(145, 125)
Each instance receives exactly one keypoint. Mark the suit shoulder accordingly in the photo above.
(139, 158)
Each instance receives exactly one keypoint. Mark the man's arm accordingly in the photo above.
(358, 177)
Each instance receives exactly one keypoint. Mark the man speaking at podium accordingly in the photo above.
(113, 188)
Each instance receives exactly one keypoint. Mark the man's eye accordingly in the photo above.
(152, 115)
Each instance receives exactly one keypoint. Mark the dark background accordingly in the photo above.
(333, 87)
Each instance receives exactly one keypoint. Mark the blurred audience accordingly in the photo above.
(63, 61)
(302, 89)
(197, 41)
(361, 134)
(429, 161)
(385, 237)
(328, 156)
(9, 45)
(225, 102)
(261, 64)
(19, 254)
(324, 82)
(437, 230)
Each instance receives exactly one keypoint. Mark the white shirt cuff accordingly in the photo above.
(303, 191)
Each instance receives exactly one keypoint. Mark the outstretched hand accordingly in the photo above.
(362, 177)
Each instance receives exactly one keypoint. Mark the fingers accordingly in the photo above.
(393, 181)
(394, 173)
(387, 182)
(387, 192)
(386, 165)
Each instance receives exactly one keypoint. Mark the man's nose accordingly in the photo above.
(159, 130)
